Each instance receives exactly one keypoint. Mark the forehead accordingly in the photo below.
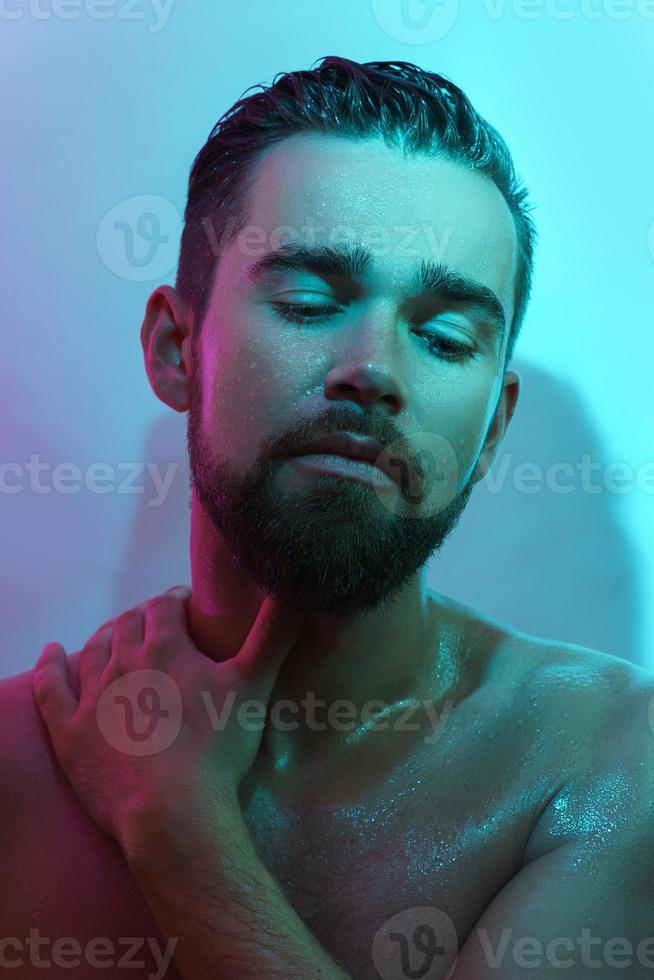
(319, 188)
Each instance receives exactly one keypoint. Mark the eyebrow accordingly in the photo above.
(352, 261)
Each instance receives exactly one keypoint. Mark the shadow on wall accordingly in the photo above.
(553, 564)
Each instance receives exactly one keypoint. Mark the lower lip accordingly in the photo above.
(353, 469)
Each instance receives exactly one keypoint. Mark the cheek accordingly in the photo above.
(232, 399)
(247, 391)
(459, 421)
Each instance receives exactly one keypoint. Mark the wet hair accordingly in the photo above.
(417, 110)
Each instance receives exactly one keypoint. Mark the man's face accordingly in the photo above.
(378, 362)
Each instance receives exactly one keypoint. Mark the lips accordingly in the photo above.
(353, 447)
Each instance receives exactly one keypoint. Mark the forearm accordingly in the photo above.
(226, 912)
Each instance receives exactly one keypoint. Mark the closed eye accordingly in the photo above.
(443, 347)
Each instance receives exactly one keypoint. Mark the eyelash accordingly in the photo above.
(449, 350)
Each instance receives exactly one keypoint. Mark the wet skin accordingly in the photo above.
(394, 821)
(534, 801)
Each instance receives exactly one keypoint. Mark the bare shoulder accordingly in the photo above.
(589, 691)
(23, 735)
(21, 739)
(42, 824)
(30, 775)
(560, 675)
(606, 796)
(595, 712)
(60, 871)
(582, 721)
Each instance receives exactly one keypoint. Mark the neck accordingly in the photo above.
(386, 655)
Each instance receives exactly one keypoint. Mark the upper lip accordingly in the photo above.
(353, 447)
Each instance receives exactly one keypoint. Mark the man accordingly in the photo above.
(428, 791)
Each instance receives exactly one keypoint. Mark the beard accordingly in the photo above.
(330, 546)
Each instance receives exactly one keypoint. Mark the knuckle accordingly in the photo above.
(162, 639)
(126, 618)
(92, 654)
(41, 687)
(160, 602)
(104, 628)
(151, 647)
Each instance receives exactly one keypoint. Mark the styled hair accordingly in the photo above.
(420, 111)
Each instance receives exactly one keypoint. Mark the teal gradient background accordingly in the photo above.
(96, 112)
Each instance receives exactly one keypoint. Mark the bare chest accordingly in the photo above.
(358, 872)
(414, 837)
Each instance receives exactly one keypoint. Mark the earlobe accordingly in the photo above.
(502, 416)
(504, 410)
(511, 390)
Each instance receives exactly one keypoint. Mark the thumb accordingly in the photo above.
(274, 632)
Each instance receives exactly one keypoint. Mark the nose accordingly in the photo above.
(367, 372)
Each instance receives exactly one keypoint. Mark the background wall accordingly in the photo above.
(104, 104)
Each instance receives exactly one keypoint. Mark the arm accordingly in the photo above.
(586, 905)
(227, 914)
(166, 790)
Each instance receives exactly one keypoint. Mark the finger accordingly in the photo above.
(51, 688)
(274, 631)
(95, 655)
(165, 616)
(127, 640)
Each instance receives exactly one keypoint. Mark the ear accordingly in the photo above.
(503, 414)
(166, 334)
